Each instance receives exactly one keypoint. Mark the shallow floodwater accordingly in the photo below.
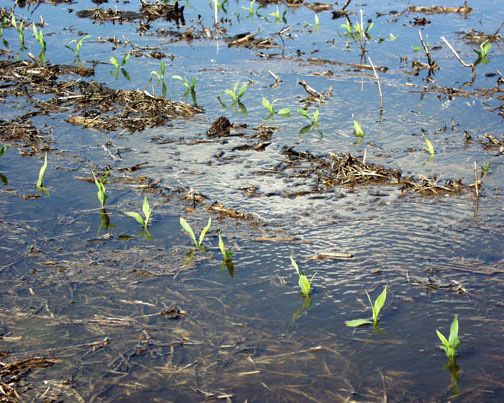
(90, 291)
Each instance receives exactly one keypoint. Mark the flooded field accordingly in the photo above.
(361, 142)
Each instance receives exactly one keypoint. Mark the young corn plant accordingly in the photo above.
(429, 148)
(146, 209)
(39, 36)
(376, 308)
(77, 49)
(39, 183)
(3, 149)
(251, 10)
(269, 106)
(119, 67)
(187, 228)
(482, 53)
(314, 119)
(160, 77)
(485, 169)
(358, 132)
(317, 23)
(227, 255)
(450, 346)
(100, 184)
(303, 281)
(20, 28)
(232, 93)
(278, 17)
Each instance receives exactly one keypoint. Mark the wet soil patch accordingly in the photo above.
(96, 106)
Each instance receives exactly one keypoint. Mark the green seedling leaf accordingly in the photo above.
(454, 329)
(146, 210)
(358, 322)
(228, 254)
(2, 149)
(303, 281)
(429, 148)
(302, 112)
(204, 231)
(450, 346)
(231, 94)
(243, 89)
(136, 216)
(378, 305)
(42, 172)
(187, 228)
(358, 132)
(114, 61)
(284, 111)
(267, 105)
(125, 59)
(102, 196)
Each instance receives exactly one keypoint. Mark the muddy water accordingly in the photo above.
(94, 292)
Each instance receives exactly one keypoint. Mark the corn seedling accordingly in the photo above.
(429, 148)
(376, 308)
(317, 22)
(251, 10)
(160, 77)
(278, 16)
(2, 149)
(485, 169)
(364, 31)
(189, 85)
(39, 36)
(226, 253)
(100, 184)
(313, 118)
(269, 106)
(392, 38)
(427, 45)
(42, 172)
(232, 93)
(146, 211)
(219, 6)
(187, 228)
(358, 132)
(303, 281)
(482, 53)
(77, 48)
(450, 346)
(20, 28)
(118, 66)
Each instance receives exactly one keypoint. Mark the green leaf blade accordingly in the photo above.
(136, 216)
(187, 228)
(204, 231)
(358, 322)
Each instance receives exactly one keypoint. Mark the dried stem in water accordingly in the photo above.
(459, 58)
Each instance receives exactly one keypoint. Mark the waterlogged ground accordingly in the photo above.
(93, 308)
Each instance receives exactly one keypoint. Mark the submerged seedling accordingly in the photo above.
(41, 173)
(482, 53)
(146, 211)
(278, 17)
(303, 281)
(485, 169)
(376, 308)
(20, 28)
(2, 149)
(313, 118)
(77, 49)
(450, 346)
(100, 184)
(269, 106)
(429, 148)
(39, 36)
(119, 67)
(233, 94)
(160, 77)
(226, 253)
(251, 10)
(358, 132)
(187, 228)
